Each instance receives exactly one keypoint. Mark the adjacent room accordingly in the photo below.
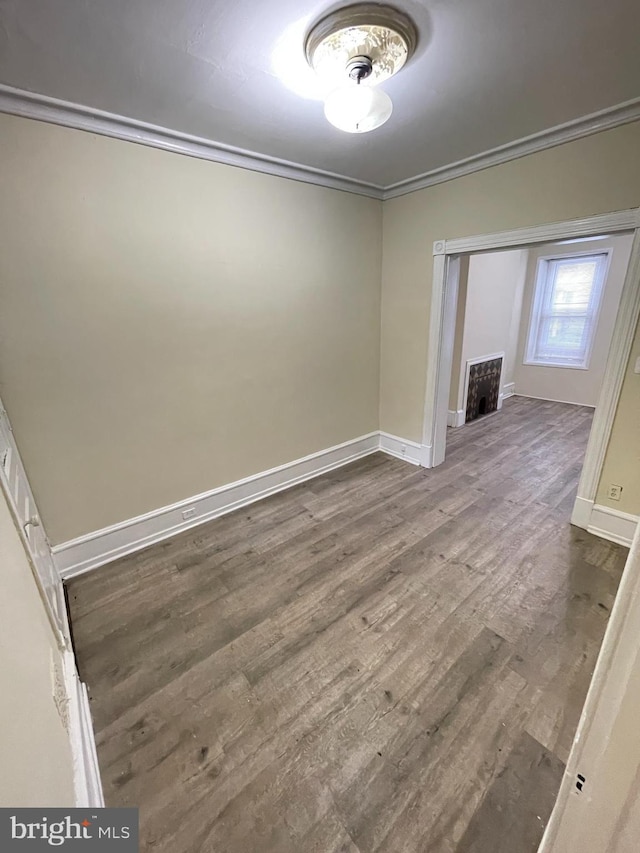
(536, 322)
(320, 425)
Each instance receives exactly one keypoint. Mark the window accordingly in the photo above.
(565, 307)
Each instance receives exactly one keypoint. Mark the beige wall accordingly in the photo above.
(35, 757)
(170, 325)
(566, 384)
(490, 301)
(622, 462)
(597, 174)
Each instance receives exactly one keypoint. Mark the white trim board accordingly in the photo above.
(508, 390)
(86, 773)
(604, 521)
(551, 232)
(67, 114)
(103, 546)
(32, 105)
(624, 113)
(401, 448)
(581, 513)
(612, 524)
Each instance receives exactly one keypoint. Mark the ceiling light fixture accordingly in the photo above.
(355, 49)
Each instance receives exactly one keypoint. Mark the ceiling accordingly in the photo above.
(486, 73)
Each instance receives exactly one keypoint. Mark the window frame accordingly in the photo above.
(540, 290)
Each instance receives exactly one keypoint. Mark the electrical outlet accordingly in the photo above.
(189, 513)
(614, 492)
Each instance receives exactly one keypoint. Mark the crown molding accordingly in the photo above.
(54, 111)
(624, 113)
(42, 108)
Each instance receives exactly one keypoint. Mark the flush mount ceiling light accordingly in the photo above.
(355, 49)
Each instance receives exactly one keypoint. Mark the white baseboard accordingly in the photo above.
(456, 418)
(426, 456)
(86, 774)
(553, 400)
(581, 515)
(611, 524)
(508, 390)
(401, 448)
(103, 546)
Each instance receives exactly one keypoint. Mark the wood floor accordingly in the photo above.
(383, 659)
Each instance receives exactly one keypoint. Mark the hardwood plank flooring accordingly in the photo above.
(382, 660)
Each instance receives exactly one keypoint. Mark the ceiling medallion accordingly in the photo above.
(356, 48)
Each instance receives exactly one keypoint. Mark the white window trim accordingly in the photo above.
(534, 312)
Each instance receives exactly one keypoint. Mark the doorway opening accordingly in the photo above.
(549, 309)
(536, 249)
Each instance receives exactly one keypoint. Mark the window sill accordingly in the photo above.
(556, 364)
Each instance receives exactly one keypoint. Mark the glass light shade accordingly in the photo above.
(357, 109)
